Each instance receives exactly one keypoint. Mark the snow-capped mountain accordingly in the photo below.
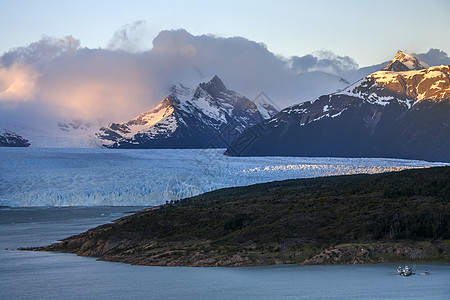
(403, 62)
(12, 139)
(208, 116)
(400, 111)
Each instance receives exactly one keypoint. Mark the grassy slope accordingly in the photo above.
(286, 222)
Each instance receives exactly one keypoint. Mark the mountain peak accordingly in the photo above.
(215, 84)
(404, 62)
(216, 80)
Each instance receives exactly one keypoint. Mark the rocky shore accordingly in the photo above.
(381, 253)
(342, 254)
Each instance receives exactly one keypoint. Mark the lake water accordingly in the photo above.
(42, 275)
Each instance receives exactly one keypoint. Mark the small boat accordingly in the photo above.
(406, 271)
(424, 273)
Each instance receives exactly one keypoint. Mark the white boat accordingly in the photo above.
(406, 271)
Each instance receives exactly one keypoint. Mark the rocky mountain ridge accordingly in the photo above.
(399, 114)
(208, 116)
(9, 138)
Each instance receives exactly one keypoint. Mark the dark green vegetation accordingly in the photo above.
(359, 218)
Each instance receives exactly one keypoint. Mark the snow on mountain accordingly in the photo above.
(407, 87)
(433, 57)
(402, 114)
(265, 106)
(145, 121)
(208, 115)
(404, 62)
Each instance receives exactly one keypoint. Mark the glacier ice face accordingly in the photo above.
(91, 177)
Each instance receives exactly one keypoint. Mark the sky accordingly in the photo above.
(368, 31)
(111, 60)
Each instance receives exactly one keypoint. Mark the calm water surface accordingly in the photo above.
(42, 275)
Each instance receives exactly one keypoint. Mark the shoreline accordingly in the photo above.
(360, 253)
(386, 217)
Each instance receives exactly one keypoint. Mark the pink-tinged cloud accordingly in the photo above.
(18, 83)
(96, 84)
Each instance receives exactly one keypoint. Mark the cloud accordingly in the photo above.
(74, 82)
(244, 65)
(118, 83)
(40, 53)
(17, 83)
(324, 61)
(434, 57)
(132, 37)
(97, 85)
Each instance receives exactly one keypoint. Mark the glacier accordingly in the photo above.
(147, 177)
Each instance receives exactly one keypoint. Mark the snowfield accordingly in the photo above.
(104, 177)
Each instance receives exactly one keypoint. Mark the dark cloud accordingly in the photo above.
(244, 65)
(324, 61)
